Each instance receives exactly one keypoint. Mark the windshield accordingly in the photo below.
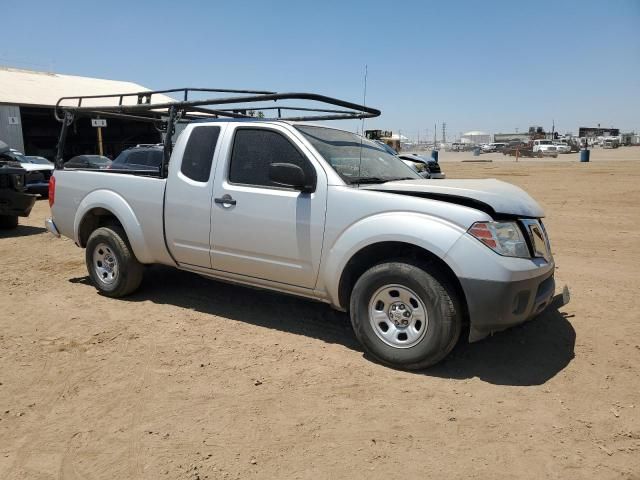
(20, 157)
(546, 142)
(356, 159)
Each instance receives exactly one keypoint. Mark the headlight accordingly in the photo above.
(504, 238)
(18, 181)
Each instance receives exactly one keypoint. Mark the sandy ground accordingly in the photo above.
(194, 379)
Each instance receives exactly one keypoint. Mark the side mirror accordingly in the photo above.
(290, 175)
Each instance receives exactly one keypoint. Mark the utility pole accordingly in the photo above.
(444, 132)
(435, 139)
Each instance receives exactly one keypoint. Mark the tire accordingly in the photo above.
(426, 290)
(112, 266)
(8, 221)
(540, 154)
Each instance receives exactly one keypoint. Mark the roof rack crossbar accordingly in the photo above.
(145, 105)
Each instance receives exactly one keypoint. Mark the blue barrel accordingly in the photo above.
(476, 152)
(584, 155)
(434, 155)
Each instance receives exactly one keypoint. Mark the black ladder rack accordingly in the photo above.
(243, 104)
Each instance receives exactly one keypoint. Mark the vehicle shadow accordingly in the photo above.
(21, 231)
(526, 355)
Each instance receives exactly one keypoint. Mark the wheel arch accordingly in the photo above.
(387, 251)
(102, 208)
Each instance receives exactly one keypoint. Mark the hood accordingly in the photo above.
(36, 167)
(491, 196)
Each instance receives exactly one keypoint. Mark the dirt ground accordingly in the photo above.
(194, 379)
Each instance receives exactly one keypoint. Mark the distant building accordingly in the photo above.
(593, 132)
(476, 137)
(27, 122)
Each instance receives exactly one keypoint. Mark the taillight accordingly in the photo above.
(52, 191)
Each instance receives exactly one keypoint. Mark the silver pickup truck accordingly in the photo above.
(325, 214)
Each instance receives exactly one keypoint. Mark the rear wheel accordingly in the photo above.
(405, 314)
(8, 221)
(112, 266)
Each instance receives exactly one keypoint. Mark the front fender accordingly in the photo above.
(116, 204)
(430, 233)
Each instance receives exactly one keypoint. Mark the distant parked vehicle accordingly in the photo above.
(562, 147)
(545, 148)
(14, 201)
(146, 157)
(522, 149)
(427, 167)
(38, 175)
(88, 161)
(492, 147)
(610, 143)
(38, 160)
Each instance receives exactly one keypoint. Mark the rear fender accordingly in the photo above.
(118, 206)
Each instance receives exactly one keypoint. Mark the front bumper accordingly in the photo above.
(14, 203)
(41, 188)
(437, 175)
(494, 306)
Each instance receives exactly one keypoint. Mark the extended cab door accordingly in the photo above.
(260, 229)
(187, 206)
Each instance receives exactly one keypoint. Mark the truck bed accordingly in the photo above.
(139, 198)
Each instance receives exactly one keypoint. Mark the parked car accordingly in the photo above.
(325, 214)
(14, 201)
(38, 160)
(562, 147)
(544, 148)
(88, 161)
(38, 175)
(493, 147)
(427, 167)
(147, 157)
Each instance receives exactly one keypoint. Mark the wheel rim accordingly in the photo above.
(105, 264)
(398, 316)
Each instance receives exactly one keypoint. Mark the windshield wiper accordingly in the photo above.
(366, 180)
(363, 180)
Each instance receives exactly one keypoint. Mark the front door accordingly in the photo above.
(260, 229)
(188, 195)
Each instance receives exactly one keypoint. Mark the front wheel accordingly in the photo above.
(113, 268)
(405, 314)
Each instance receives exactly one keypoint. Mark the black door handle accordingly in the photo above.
(225, 200)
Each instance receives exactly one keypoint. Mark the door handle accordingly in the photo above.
(225, 200)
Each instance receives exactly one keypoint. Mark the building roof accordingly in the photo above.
(29, 87)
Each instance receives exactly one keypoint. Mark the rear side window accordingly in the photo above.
(254, 150)
(198, 155)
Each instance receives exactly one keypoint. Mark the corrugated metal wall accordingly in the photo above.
(11, 126)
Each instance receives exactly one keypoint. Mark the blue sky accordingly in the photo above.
(492, 66)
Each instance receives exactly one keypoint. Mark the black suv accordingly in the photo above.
(141, 157)
(14, 202)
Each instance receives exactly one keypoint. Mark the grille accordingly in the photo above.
(35, 177)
